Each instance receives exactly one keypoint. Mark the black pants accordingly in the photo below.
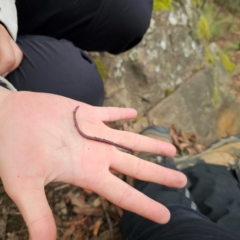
(53, 32)
(216, 193)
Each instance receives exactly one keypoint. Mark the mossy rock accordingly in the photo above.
(229, 66)
(216, 98)
(101, 67)
(203, 29)
(160, 5)
(209, 56)
(197, 3)
(168, 91)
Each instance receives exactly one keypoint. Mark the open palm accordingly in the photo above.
(40, 144)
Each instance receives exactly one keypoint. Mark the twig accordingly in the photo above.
(5, 218)
(75, 223)
(107, 217)
(61, 187)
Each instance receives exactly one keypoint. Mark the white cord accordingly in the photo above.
(9, 85)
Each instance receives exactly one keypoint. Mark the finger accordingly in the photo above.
(7, 57)
(18, 55)
(141, 143)
(36, 212)
(109, 114)
(126, 197)
(147, 171)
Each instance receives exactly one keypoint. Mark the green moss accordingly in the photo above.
(216, 97)
(216, 30)
(198, 67)
(216, 94)
(229, 66)
(210, 12)
(203, 29)
(136, 119)
(208, 56)
(101, 67)
(197, 3)
(233, 28)
(232, 47)
(160, 5)
(168, 91)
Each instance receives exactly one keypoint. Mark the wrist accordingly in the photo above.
(4, 93)
(2, 25)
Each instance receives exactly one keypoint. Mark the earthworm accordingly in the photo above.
(96, 138)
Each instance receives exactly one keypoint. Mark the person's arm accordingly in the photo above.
(10, 54)
(40, 144)
(8, 16)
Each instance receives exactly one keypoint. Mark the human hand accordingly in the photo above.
(10, 54)
(40, 144)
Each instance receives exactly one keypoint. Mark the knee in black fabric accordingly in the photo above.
(117, 26)
(97, 25)
(185, 223)
(132, 24)
(57, 67)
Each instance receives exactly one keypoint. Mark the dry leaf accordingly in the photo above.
(68, 233)
(81, 207)
(188, 136)
(183, 140)
(74, 223)
(79, 235)
(174, 135)
(191, 151)
(96, 227)
(88, 210)
(119, 211)
(87, 191)
(97, 202)
(184, 146)
(199, 148)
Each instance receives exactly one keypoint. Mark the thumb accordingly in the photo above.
(18, 55)
(36, 212)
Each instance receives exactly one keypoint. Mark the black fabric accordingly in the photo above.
(216, 192)
(185, 223)
(58, 67)
(93, 25)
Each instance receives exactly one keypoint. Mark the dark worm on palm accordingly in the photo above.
(96, 138)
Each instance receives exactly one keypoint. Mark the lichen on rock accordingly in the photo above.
(160, 5)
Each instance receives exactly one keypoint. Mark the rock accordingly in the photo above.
(228, 119)
(171, 76)
(165, 58)
(194, 107)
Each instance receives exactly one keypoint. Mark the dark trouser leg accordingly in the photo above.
(216, 192)
(57, 67)
(185, 222)
(93, 25)
(97, 25)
